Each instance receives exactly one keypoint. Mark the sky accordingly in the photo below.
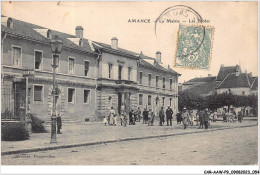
(235, 28)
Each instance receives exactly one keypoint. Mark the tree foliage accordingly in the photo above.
(215, 101)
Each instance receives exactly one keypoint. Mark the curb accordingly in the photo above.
(113, 141)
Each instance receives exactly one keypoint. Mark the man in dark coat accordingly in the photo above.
(145, 116)
(138, 114)
(239, 116)
(59, 124)
(131, 117)
(201, 119)
(206, 118)
(185, 116)
(169, 113)
(161, 116)
(179, 119)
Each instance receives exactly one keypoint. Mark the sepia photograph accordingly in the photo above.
(130, 83)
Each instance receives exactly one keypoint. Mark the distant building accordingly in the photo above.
(197, 81)
(229, 79)
(237, 83)
(225, 70)
(92, 76)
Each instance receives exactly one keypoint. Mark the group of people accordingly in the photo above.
(148, 116)
(231, 117)
(188, 118)
(202, 117)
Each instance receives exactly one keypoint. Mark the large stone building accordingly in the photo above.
(91, 76)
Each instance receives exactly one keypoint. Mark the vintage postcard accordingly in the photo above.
(130, 83)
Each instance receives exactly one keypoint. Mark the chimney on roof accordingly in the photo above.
(222, 65)
(250, 74)
(158, 57)
(114, 43)
(7, 22)
(237, 72)
(79, 32)
(209, 75)
(238, 69)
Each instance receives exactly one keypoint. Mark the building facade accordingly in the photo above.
(92, 77)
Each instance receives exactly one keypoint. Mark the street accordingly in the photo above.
(236, 146)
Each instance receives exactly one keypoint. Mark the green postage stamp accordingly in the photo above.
(194, 47)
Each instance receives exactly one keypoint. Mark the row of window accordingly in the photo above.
(149, 102)
(38, 94)
(38, 61)
(156, 80)
(120, 68)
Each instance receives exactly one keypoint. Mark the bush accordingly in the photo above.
(37, 124)
(14, 131)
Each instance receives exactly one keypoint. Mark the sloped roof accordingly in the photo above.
(119, 50)
(255, 84)
(27, 30)
(233, 81)
(141, 58)
(156, 65)
(200, 79)
(203, 89)
(224, 71)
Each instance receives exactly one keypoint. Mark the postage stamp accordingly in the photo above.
(194, 47)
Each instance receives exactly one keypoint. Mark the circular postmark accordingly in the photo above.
(194, 40)
(181, 14)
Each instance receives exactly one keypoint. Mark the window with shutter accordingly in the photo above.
(149, 79)
(71, 66)
(149, 99)
(110, 66)
(38, 59)
(163, 82)
(17, 56)
(71, 93)
(86, 69)
(86, 96)
(140, 99)
(140, 77)
(38, 93)
(129, 73)
(157, 79)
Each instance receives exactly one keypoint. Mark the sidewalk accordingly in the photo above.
(83, 134)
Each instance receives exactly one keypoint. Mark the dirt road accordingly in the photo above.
(224, 147)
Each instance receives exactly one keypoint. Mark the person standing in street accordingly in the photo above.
(201, 119)
(185, 116)
(59, 124)
(192, 118)
(123, 115)
(206, 118)
(138, 114)
(145, 116)
(197, 118)
(169, 113)
(239, 117)
(112, 114)
(131, 117)
(179, 118)
(161, 116)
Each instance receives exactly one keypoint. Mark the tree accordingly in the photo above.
(190, 101)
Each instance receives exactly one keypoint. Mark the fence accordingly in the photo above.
(8, 99)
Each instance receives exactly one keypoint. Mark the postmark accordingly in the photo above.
(194, 40)
(194, 47)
